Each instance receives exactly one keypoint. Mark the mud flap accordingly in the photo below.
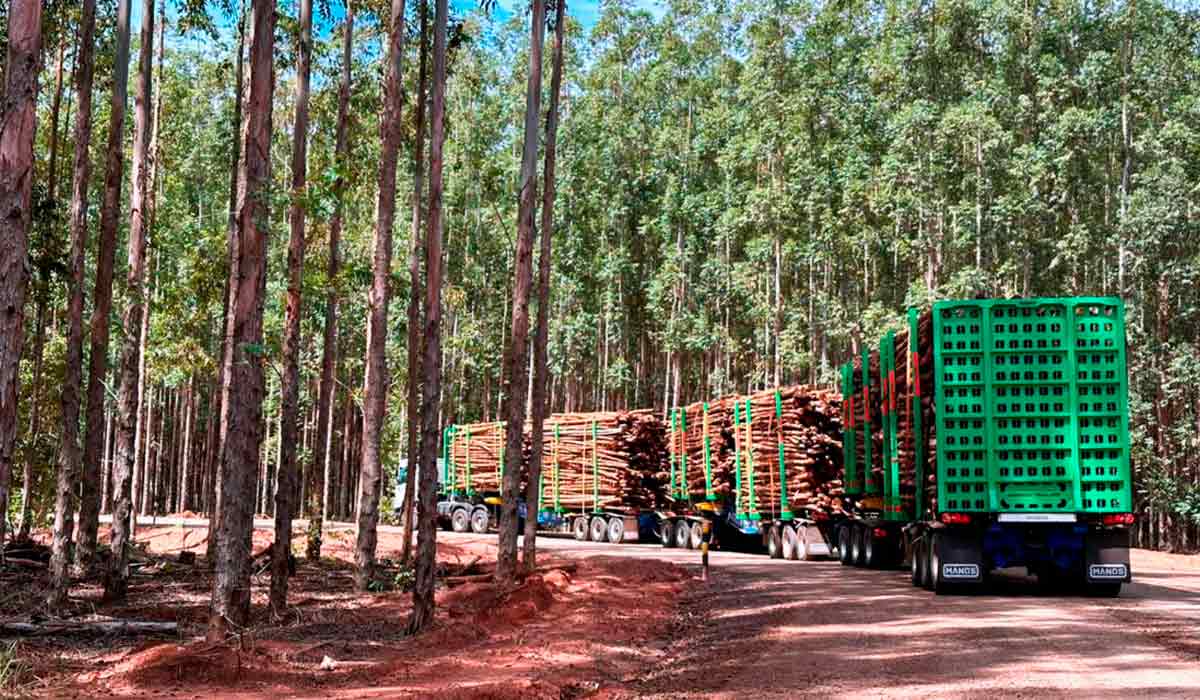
(1107, 556)
(959, 557)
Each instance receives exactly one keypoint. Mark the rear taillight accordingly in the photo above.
(956, 518)
(1118, 519)
(879, 533)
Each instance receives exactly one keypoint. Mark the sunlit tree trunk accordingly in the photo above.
(431, 371)
(243, 406)
(516, 361)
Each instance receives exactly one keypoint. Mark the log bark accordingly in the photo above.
(286, 476)
(376, 381)
(116, 580)
(541, 367)
(516, 372)
(243, 407)
(110, 215)
(431, 371)
(18, 124)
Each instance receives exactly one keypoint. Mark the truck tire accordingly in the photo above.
(844, 547)
(666, 534)
(597, 528)
(791, 541)
(872, 555)
(927, 563)
(774, 543)
(480, 521)
(917, 565)
(579, 528)
(683, 534)
(697, 536)
(616, 530)
(803, 543)
(856, 545)
(460, 520)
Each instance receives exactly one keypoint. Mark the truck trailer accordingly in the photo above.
(991, 434)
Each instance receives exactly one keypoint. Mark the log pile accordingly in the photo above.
(809, 428)
(614, 461)
(476, 454)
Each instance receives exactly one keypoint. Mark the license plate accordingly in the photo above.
(960, 571)
(1108, 571)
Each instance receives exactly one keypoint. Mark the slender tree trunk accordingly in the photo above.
(515, 365)
(18, 124)
(376, 381)
(290, 384)
(541, 369)
(69, 448)
(214, 489)
(39, 344)
(243, 407)
(116, 581)
(55, 109)
(414, 291)
(423, 602)
(322, 442)
(110, 215)
(189, 428)
(142, 434)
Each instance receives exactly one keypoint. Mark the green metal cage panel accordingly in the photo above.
(850, 433)
(1033, 412)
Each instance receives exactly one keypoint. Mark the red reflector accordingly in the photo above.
(879, 533)
(956, 518)
(1119, 519)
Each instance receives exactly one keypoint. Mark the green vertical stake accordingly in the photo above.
(708, 487)
(595, 473)
(737, 459)
(784, 513)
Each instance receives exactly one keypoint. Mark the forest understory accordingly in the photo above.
(578, 626)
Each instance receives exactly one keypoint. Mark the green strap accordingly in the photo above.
(867, 468)
(500, 428)
(674, 447)
(784, 512)
(753, 500)
(470, 486)
(447, 465)
(557, 503)
(708, 487)
(683, 453)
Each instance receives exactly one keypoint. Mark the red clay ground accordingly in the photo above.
(582, 627)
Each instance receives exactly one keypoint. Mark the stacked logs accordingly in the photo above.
(613, 461)
(476, 453)
(809, 427)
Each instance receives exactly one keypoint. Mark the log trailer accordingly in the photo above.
(992, 434)
(470, 500)
(741, 519)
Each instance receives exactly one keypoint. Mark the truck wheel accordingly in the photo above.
(917, 565)
(937, 583)
(843, 540)
(666, 534)
(927, 563)
(480, 521)
(597, 528)
(579, 528)
(803, 543)
(683, 534)
(790, 542)
(460, 520)
(616, 530)
(871, 549)
(774, 544)
(856, 545)
(1108, 589)
(697, 535)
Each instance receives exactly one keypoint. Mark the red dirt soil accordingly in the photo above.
(587, 627)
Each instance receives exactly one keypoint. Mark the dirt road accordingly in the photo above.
(768, 628)
(783, 629)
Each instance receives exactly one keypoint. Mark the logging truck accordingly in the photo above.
(991, 434)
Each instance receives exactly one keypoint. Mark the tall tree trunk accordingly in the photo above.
(39, 345)
(515, 365)
(115, 582)
(214, 490)
(423, 602)
(414, 290)
(110, 217)
(243, 408)
(69, 448)
(376, 380)
(18, 124)
(541, 369)
(55, 108)
(189, 428)
(286, 477)
(324, 428)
